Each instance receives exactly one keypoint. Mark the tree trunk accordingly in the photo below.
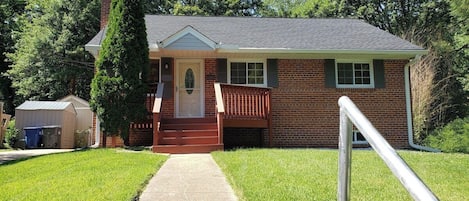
(104, 140)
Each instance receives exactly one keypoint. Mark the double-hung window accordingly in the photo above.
(247, 73)
(351, 74)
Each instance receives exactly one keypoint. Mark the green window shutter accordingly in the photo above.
(378, 71)
(167, 77)
(272, 73)
(329, 71)
(222, 71)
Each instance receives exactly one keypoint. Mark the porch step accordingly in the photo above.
(187, 149)
(189, 124)
(188, 136)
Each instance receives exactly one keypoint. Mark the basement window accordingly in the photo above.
(358, 138)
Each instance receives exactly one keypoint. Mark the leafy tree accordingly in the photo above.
(117, 90)
(459, 11)
(49, 60)
(217, 7)
(9, 11)
(302, 8)
(164, 7)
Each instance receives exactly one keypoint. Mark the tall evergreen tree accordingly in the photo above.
(118, 90)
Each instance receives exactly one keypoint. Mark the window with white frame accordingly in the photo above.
(247, 72)
(358, 138)
(354, 74)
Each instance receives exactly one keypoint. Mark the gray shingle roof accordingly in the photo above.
(277, 33)
(46, 105)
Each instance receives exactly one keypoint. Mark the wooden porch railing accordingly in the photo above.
(156, 113)
(244, 106)
(220, 111)
(149, 104)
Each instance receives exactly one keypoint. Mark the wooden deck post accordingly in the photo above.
(157, 115)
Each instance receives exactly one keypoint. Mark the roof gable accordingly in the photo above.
(76, 101)
(188, 38)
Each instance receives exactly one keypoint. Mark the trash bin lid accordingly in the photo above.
(52, 126)
(31, 128)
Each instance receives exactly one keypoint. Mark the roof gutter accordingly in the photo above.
(408, 104)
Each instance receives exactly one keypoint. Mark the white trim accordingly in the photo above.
(181, 33)
(93, 49)
(235, 49)
(264, 66)
(202, 86)
(359, 86)
(355, 133)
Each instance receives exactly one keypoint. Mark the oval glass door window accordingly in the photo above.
(189, 81)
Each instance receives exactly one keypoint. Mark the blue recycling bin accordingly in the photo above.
(32, 135)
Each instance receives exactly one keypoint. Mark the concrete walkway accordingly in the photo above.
(189, 177)
(15, 155)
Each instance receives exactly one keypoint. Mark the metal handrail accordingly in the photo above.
(349, 113)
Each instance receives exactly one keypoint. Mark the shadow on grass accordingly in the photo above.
(138, 148)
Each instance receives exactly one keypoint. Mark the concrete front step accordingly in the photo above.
(187, 149)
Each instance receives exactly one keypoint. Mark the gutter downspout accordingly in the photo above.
(97, 131)
(409, 109)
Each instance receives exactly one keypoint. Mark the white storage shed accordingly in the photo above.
(45, 114)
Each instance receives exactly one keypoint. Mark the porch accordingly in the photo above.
(236, 106)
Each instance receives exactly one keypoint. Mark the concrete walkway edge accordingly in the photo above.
(15, 155)
(189, 177)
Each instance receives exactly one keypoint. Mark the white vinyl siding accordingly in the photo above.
(188, 42)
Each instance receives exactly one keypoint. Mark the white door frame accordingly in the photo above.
(202, 86)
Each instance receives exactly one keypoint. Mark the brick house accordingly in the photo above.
(283, 79)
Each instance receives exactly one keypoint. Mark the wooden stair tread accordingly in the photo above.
(185, 149)
(188, 136)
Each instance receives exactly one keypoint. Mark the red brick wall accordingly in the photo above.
(210, 78)
(105, 7)
(305, 112)
(140, 136)
(167, 107)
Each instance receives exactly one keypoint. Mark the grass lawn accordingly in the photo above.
(311, 174)
(97, 174)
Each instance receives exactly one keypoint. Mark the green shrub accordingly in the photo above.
(11, 136)
(81, 138)
(454, 137)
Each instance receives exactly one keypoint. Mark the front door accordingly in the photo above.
(189, 89)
